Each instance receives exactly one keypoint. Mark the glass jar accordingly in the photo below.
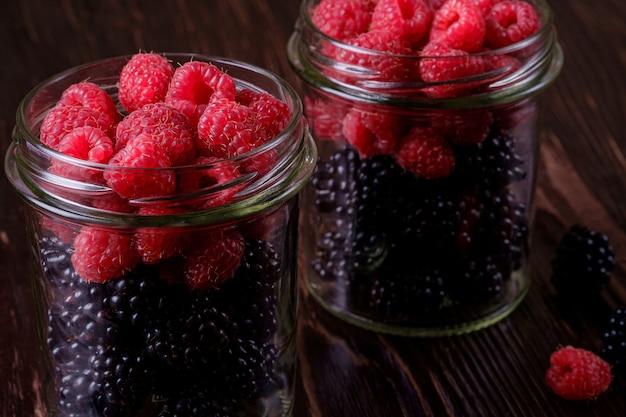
(152, 339)
(416, 221)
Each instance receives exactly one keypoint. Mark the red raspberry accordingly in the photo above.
(144, 79)
(325, 117)
(506, 64)
(342, 19)
(62, 120)
(86, 143)
(272, 113)
(214, 259)
(147, 176)
(60, 229)
(459, 24)
(100, 255)
(90, 95)
(443, 64)
(577, 374)
(407, 19)
(463, 128)
(426, 153)
(227, 128)
(194, 85)
(167, 127)
(211, 181)
(371, 133)
(485, 5)
(155, 244)
(388, 61)
(510, 22)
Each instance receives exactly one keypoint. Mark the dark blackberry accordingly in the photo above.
(404, 294)
(492, 163)
(187, 331)
(614, 340)
(197, 401)
(332, 260)
(479, 280)
(333, 182)
(583, 262)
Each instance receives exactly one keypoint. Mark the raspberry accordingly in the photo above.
(86, 143)
(407, 19)
(211, 181)
(194, 84)
(387, 61)
(425, 153)
(144, 79)
(510, 22)
(461, 128)
(155, 244)
(227, 128)
(90, 95)
(485, 5)
(459, 24)
(100, 255)
(371, 133)
(577, 374)
(272, 113)
(138, 170)
(324, 117)
(583, 262)
(343, 19)
(443, 64)
(62, 120)
(213, 260)
(167, 127)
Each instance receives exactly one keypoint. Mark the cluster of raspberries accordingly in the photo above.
(446, 46)
(465, 30)
(174, 124)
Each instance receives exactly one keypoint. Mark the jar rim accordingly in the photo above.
(311, 66)
(26, 157)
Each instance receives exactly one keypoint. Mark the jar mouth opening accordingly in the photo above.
(369, 74)
(265, 175)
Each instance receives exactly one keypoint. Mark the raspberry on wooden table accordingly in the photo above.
(577, 374)
(195, 84)
(143, 80)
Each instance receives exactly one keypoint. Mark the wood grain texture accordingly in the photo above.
(346, 371)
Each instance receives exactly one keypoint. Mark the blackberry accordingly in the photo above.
(332, 260)
(479, 279)
(583, 262)
(332, 182)
(492, 163)
(406, 295)
(614, 340)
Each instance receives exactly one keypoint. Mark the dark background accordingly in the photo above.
(347, 371)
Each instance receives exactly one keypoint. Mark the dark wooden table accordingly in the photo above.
(346, 371)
